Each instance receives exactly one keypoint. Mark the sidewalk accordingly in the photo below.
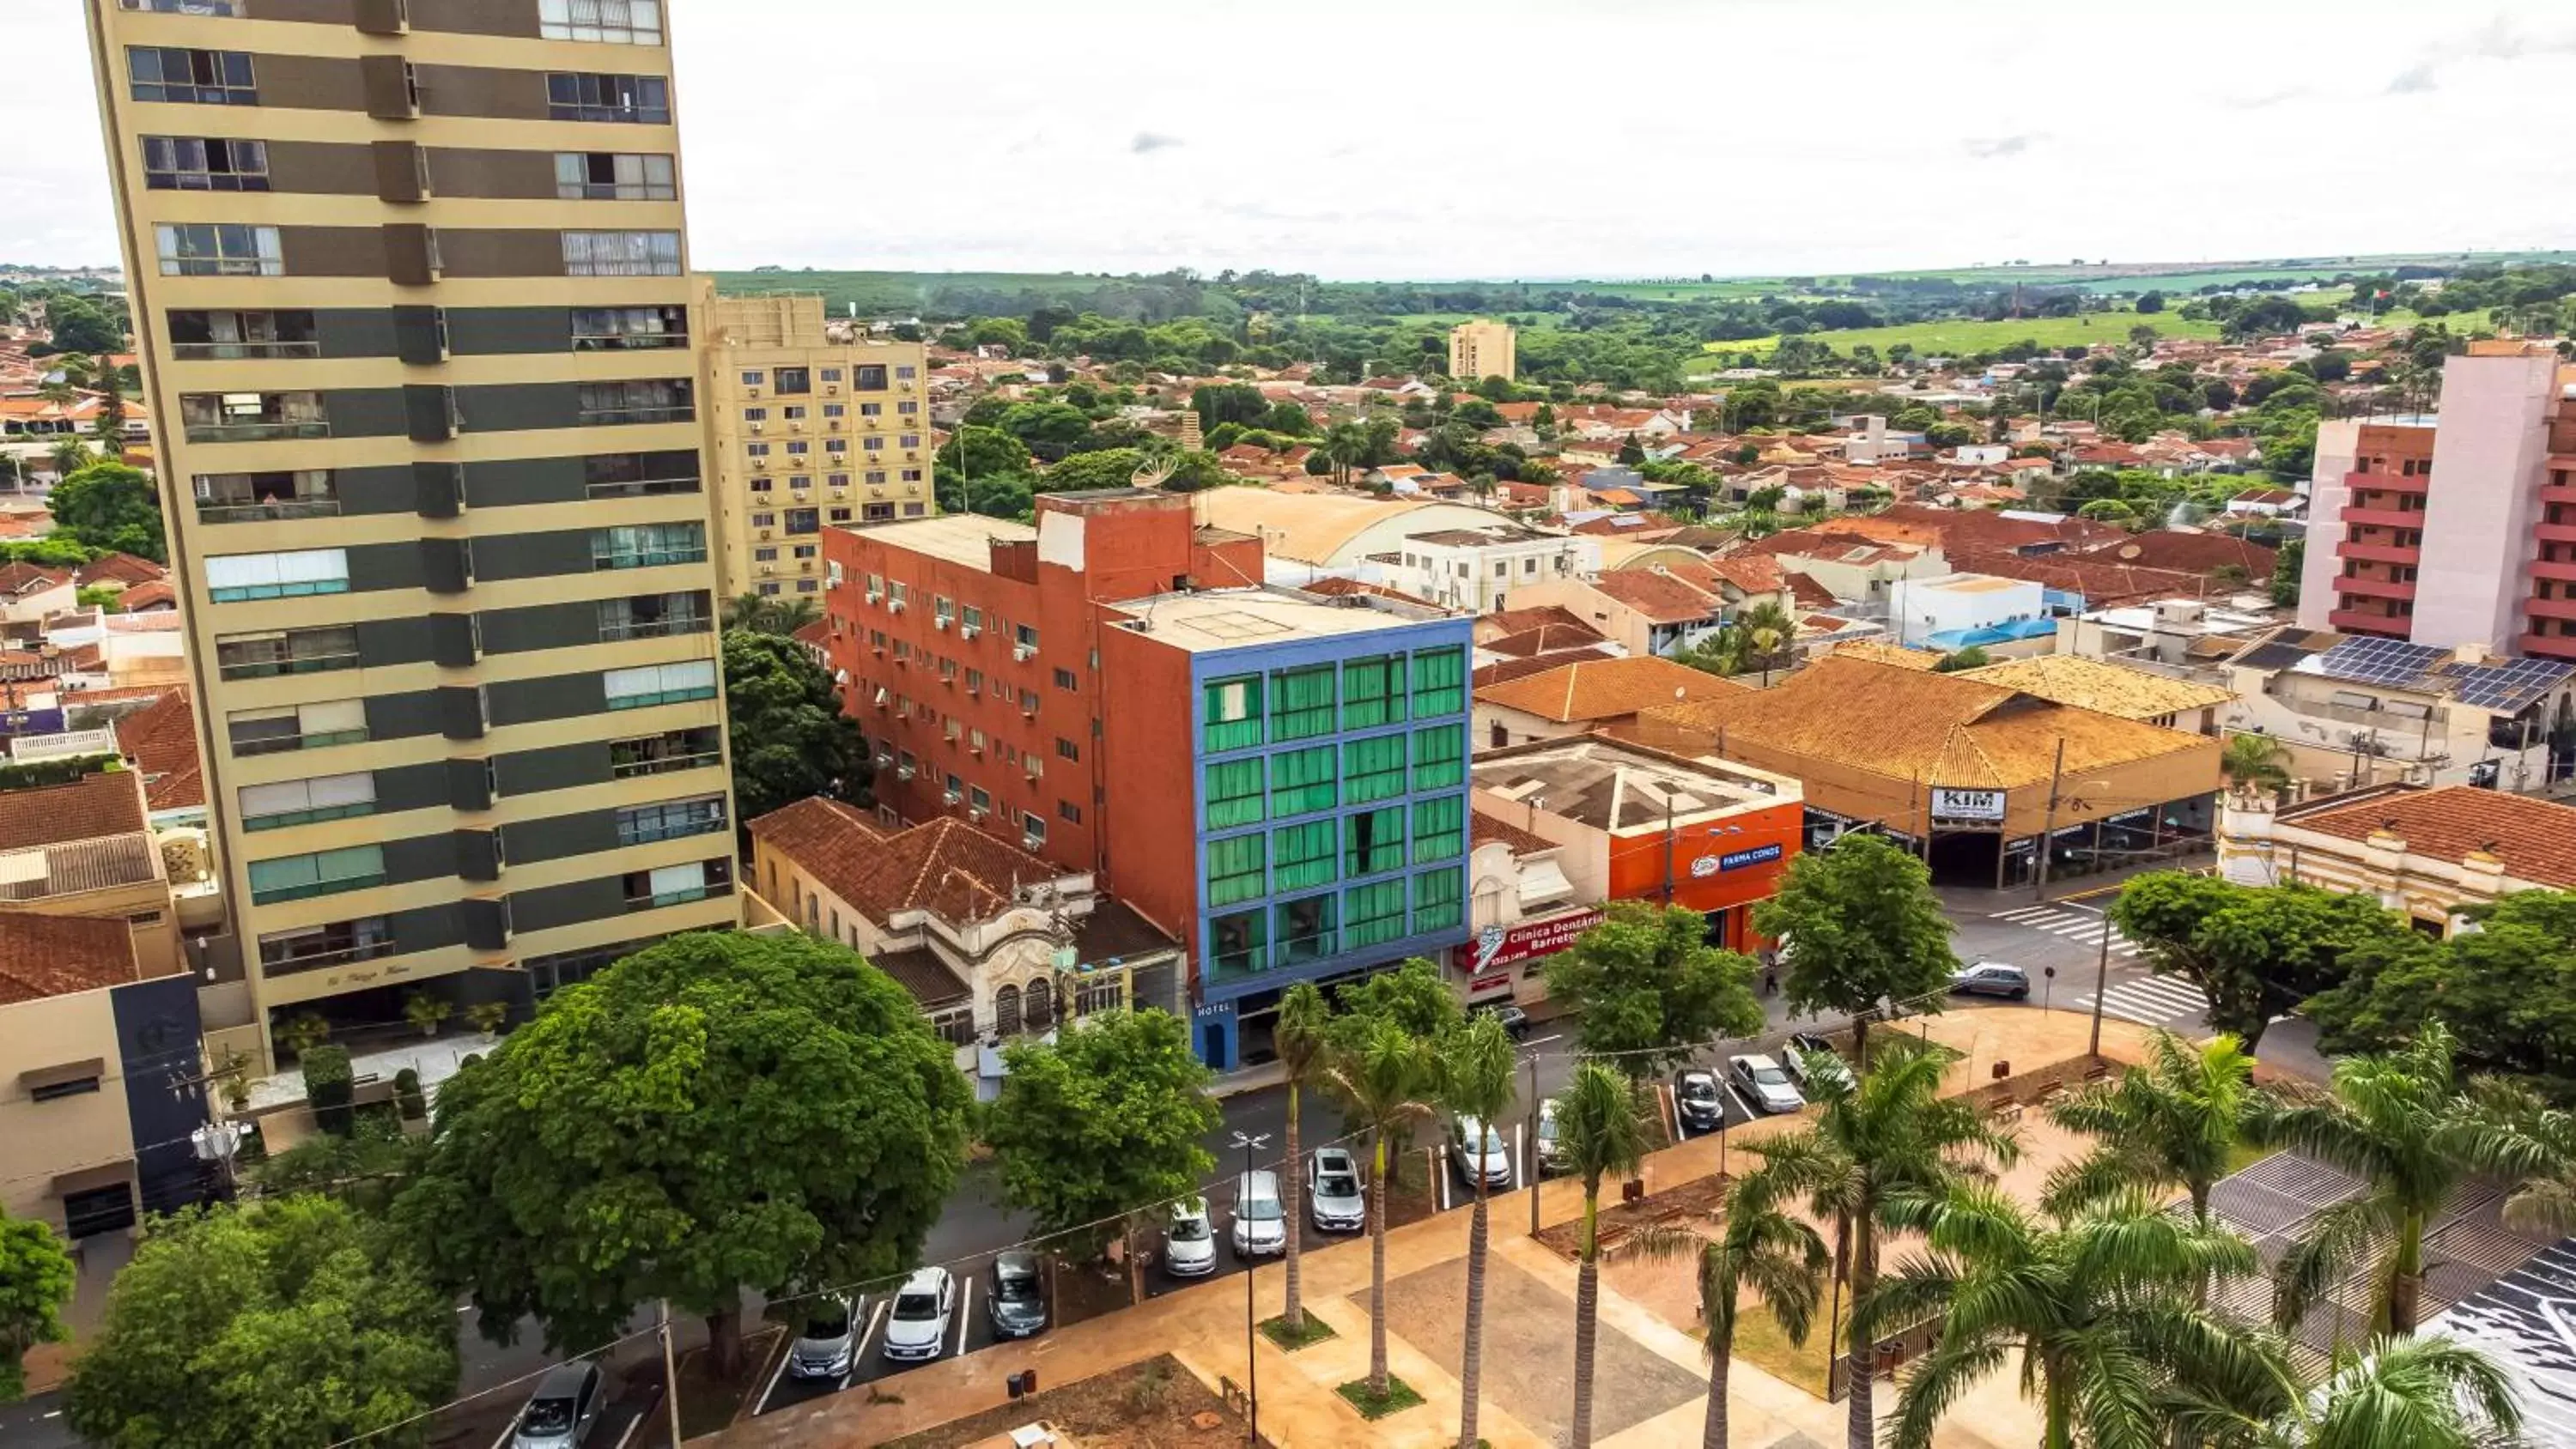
(1204, 1326)
(1986, 900)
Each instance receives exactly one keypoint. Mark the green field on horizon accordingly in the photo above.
(1958, 336)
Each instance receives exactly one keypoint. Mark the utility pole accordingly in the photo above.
(670, 1376)
(2101, 983)
(1668, 847)
(1534, 1173)
(2048, 824)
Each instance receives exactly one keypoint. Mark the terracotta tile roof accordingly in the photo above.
(1335, 586)
(2191, 551)
(1896, 654)
(20, 579)
(2104, 583)
(1503, 671)
(154, 595)
(45, 955)
(1545, 639)
(1898, 722)
(103, 803)
(122, 568)
(161, 740)
(1603, 689)
(1660, 597)
(946, 866)
(2536, 839)
(1503, 622)
(2100, 685)
(1750, 573)
(1485, 829)
(1806, 593)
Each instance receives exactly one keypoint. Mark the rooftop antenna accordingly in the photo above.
(1153, 473)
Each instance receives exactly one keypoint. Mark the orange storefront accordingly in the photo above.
(1718, 869)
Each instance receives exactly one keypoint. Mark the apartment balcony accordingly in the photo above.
(2550, 608)
(2369, 621)
(2548, 646)
(2561, 569)
(2388, 482)
(2563, 494)
(2363, 586)
(2554, 532)
(2355, 517)
(2355, 551)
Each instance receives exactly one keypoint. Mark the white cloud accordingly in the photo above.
(1536, 138)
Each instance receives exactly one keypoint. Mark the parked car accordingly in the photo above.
(1551, 1146)
(829, 1341)
(1480, 1153)
(1260, 1222)
(563, 1410)
(1333, 1191)
(1015, 1295)
(917, 1328)
(1814, 1062)
(1763, 1083)
(1189, 1244)
(1991, 978)
(1698, 1102)
(1514, 1020)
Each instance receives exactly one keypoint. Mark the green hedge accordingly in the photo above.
(328, 1085)
(59, 771)
(407, 1095)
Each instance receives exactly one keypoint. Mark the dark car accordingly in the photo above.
(1514, 1020)
(1991, 978)
(1015, 1295)
(1698, 1101)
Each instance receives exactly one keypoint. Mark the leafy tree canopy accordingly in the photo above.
(1646, 981)
(718, 1111)
(36, 1278)
(2254, 952)
(281, 1325)
(2507, 990)
(1861, 926)
(108, 506)
(789, 736)
(1107, 1119)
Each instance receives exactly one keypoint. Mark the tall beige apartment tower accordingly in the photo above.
(409, 284)
(1480, 349)
(810, 423)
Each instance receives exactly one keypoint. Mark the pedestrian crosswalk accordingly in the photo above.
(2151, 1001)
(2082, 927)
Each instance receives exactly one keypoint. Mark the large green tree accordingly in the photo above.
(2103, 1305)
(1102, 1124)
(2255, 952)
(789, 737)
(281, 1325)
(1861, 927)
(976, 452)
(1888, 1135)
(2507, 990)
(1646, 984)
(1104, 468)
(718, 1111)
(110, 506)
(36, 1278)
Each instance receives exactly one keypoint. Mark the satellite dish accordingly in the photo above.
(1154, 472)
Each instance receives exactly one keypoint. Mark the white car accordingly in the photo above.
(1480, 1153)
(1761, 1079)
(1260, 1221)
(1189, 1243)
(918, 1326)
(1333, 1191)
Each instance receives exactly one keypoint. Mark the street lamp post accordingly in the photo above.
(2101, 982)
(1251, 1314)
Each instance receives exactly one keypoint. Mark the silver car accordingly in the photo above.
(1479, 1153)
(917, 1329)
(1762, 1079)
(1333, 1191)
(829, 1341)
(1189, 1244)
(1260, 1222)
(563, 1410)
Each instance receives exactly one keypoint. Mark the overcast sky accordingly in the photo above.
(1514, 138)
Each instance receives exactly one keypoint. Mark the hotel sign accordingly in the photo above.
(1981, 805)
(1498, 946)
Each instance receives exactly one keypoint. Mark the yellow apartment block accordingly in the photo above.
(811, 424)
(1482, 349)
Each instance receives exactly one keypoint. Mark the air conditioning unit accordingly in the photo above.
(969, 631)
(885, 761)
(761, 464)
(759, 427)
(912, 490)
(1022, 652)
(905, 772)
(796, 425)
(877, 649)
(804, 566)
(951, 796)
(840, 492)
(971, 691)
(895, 604)
(1030, 769)
(939, 622)
(767, 533)
(831, 389)
(769, 568)
(882, 697)
(1029, 714)
(975, 749)
(833, 423)
(977, 813)
(1030, 843)
(875, 597)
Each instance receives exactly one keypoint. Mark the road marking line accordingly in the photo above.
(761, 1405)
(506, 1433)
(1442, 1175)
(1540, 1041)
(965, 1314)
(53, 1413)
(631, 1426)
(1749, 1113)
(1520, 1167)
(871, 1331)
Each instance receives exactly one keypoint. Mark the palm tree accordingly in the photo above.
(1345, 444)
(1767, 631)
(1299, 1038)
(2394, 1120)
(70, 456)
(2420, 1393)
(2171, 1123)
(2253, 761)
(1777, 1255)
(1383, 1073)
(2101, 1303)
(1889, 1133)
(1598, 1127)
(762, 615)
(1476, 1064)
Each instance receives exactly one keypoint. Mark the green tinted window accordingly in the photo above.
(1233, 793)
(1303, 780)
